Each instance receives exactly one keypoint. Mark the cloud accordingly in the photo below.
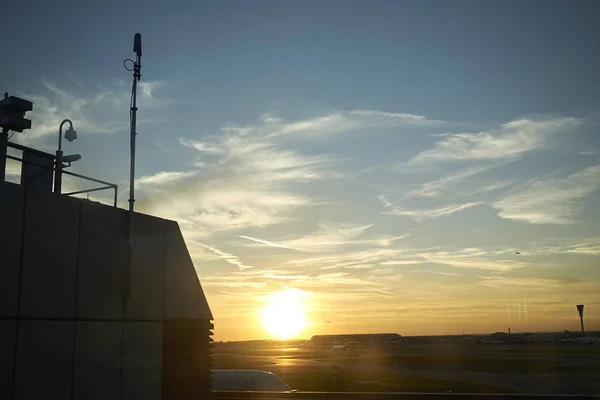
(473, 258)
(590, 153)
(347, 259)
(489, 188)
(392, 119)
(163, 177)
(505, 281)
(103, 109)
(587, 246)
(447, 273)
(247, 175)
(229, 258)
(201, 147)
(13, 170)
(267, 243)
(423, 214)
(550, 201)
(331, 237)
(435, 187)
(404, 262)
(378, 290)
(509, 141)
(273, 128)
(247, 185)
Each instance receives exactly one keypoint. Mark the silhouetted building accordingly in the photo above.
(79, 321)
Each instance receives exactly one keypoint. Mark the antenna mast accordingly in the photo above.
(137, 66)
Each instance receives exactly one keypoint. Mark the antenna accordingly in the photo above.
(137, 44)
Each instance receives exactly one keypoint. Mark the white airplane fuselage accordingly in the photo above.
(247, 380)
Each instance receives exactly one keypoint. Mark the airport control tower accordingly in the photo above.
(94, 304)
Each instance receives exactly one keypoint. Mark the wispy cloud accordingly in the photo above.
(13, 170)
(489, 188)
(249, 177)
(447, 273)
(267, 243)
(393, 119)
(347, 259)
(550, 201)
(404, 262)
(473, 258)
(331, 237)
(227, 257)
(423, 214)
(435, 187)
(510, 140)
(164, 177)
(202, 147)
(102, 109)
(246, 185)
(589, 246)
(505, 281)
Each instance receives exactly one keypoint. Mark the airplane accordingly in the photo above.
(568, 338)
(517, 252)
(338, 347)
(247, 380)
(468, 338)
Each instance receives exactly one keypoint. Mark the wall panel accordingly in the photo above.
(49, 255)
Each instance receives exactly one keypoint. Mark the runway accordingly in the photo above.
(584, 379)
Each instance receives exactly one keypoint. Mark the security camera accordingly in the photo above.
(71, 135)
(71, 158)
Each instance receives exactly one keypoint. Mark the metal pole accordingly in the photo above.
(116, 188)
(59, 157)
(58, 171)
(136, 77)
(137, 66)
(3, 146)
(580, 311)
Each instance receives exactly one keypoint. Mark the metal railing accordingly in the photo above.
(106, 185)
(384, 396)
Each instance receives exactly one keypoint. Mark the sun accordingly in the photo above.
(283, 315)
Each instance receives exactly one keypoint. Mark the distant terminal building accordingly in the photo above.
(327, 340)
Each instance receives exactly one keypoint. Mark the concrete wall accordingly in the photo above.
(49, 265)
(12, 201)
(79, 321)
(102, 257)
(97, 362)
(7, 354)
(43, 363)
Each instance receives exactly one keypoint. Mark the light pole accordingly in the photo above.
(580, 311)
(70, 135)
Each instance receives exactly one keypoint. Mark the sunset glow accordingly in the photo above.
(283, 316)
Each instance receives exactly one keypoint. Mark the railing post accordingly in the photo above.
(58, 171)
(3, 143)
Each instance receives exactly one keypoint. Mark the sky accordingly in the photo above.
(382, 160)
